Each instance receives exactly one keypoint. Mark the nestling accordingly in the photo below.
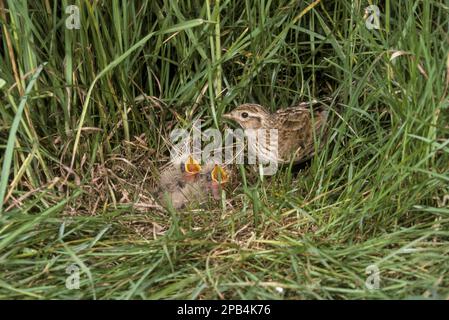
(188, 182)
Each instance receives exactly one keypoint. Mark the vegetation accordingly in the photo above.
(82, 137)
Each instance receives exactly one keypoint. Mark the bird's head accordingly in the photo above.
(219, 175)
(190, 168)
(249, 116)
(216, 179)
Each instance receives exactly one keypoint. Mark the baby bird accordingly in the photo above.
(296, 127)
(188, 182)
(217, 178)
(190, 169)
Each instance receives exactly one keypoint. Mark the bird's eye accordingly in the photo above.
(244, 115)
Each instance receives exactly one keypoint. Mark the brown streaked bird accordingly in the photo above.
(296, 127)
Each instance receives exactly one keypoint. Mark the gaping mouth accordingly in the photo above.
(219, 175)
(192, 166)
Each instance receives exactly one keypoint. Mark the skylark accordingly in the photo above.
(189, 182)
(296, 129)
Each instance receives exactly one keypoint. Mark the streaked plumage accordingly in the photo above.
(296, 127)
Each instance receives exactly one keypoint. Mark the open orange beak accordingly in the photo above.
(190, 168)
(219, 175)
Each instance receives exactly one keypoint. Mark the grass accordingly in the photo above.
(81, 142)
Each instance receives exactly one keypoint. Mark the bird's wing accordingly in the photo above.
(293, 118)
(299, 116)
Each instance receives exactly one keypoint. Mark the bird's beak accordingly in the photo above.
(228, 116)
(219, 175)
(192, 166)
